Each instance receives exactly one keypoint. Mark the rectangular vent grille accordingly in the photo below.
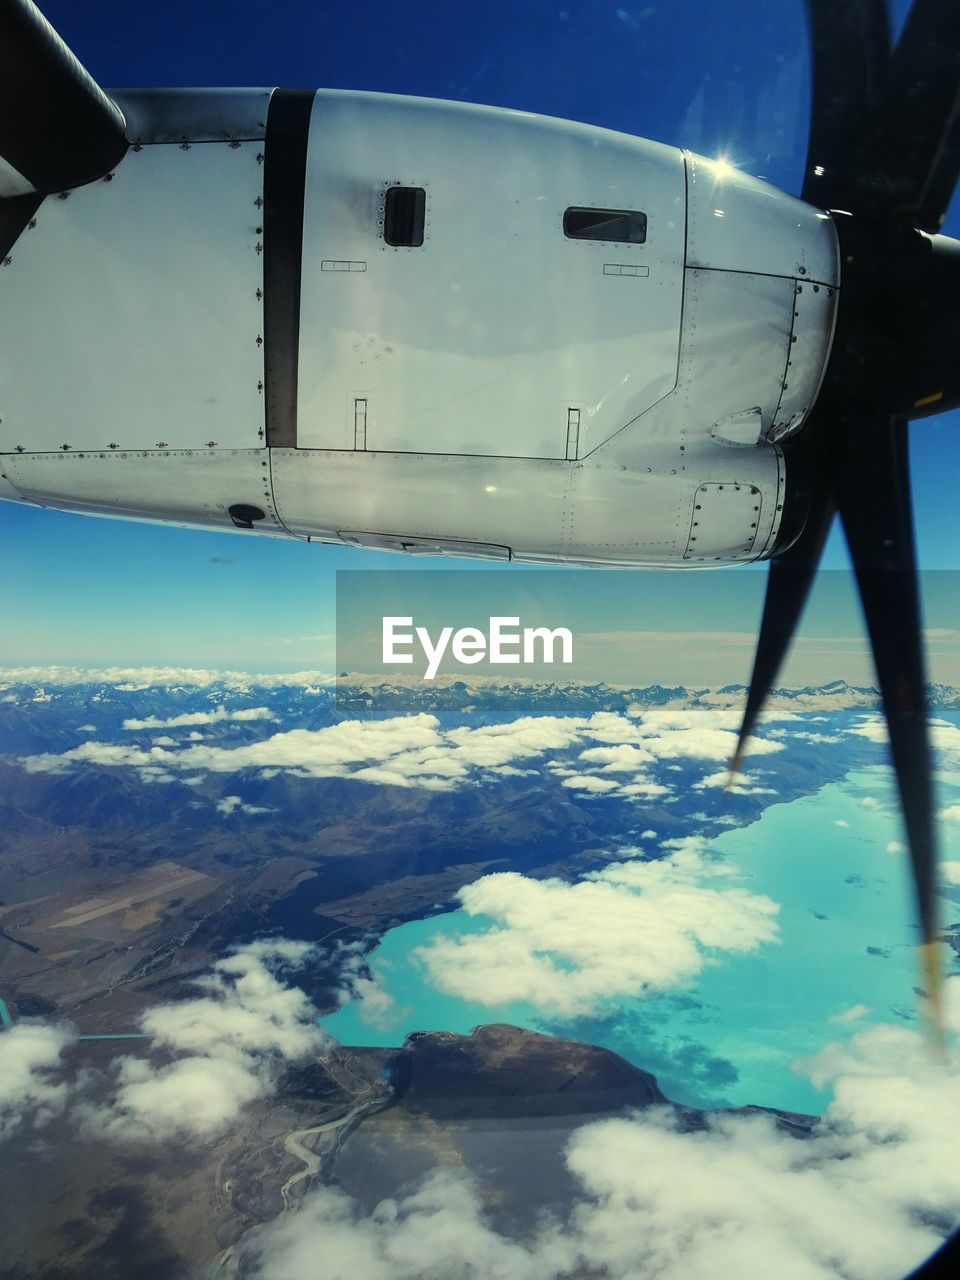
(404, 216)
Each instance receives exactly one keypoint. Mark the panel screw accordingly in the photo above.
(211, 444)
(259, 341)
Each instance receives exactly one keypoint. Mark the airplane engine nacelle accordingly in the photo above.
(418, 326)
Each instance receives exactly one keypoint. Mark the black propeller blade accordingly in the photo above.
(849, 51)
(885, 128)
(788, 586)
(872, 483)
(885, 149)
(861, 470)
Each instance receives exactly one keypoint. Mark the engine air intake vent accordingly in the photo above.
(404, 216)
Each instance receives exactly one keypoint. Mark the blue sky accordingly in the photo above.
(713, 78)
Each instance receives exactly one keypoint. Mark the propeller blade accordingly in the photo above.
(58, 129)
(885, 127)
(849, 51)
(788, 586)
(872, 485)
(910, 155)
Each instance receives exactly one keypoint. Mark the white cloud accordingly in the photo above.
(129, 679)
(950, 871)
(200, 717)
(867, 1196)
(633, 928)
(228, 1044)
(894, 846)
(853, 1014)
(234, 804)
(744, 785)
(415, 751)
(590, 784)
(30, 1062)
(373, 1005)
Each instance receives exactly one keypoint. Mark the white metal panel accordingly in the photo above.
(418, 497)
(480, 341)
(814, 315)
(738, 223)
(193, 115)
(633, 499)
(733, 359)
(194, 488)
(129, 314)
(7, 490)
(426, 546)
(724, 521)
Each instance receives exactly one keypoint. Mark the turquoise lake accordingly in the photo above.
(847, 939)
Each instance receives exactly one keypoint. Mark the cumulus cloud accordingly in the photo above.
(227, 1044)
(200, 717)
(134, 678)
(867, 1196)
(591, 785)
(744, 784)
(634, 928)
(415, 751)
(31, 1083)
(373, 1004)
(234, 804)
(944, 736)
